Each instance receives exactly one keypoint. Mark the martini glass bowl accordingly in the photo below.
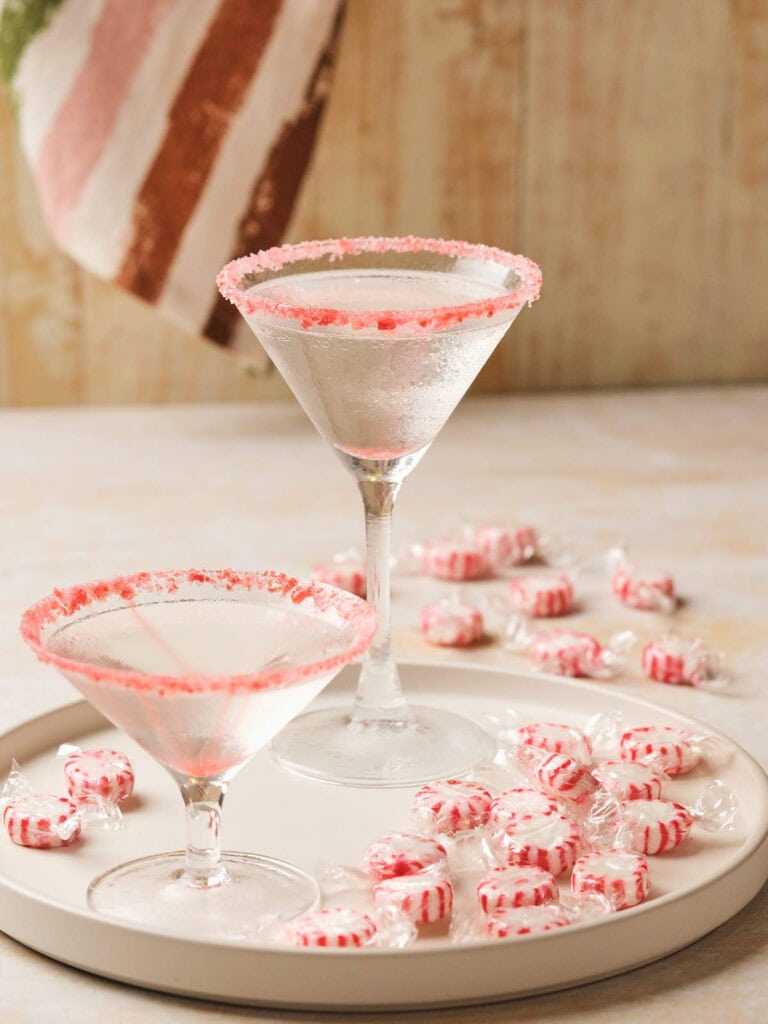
(379, 339)
(202, 668)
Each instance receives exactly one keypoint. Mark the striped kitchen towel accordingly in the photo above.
(167, 136)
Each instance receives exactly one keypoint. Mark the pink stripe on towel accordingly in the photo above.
(82, 127)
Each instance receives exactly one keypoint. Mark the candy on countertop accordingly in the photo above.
(451, 623)
(454, 559)
(541, 596)
(506, 546)
(346, 571)
(680, 662)
(646, 589)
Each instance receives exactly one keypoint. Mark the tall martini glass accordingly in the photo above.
(379, 339)
(201, 668)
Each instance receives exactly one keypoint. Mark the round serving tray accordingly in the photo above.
(42, 892)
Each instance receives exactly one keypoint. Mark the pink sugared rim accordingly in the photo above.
(62, 604)
(416, 320)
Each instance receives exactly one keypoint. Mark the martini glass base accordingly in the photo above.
(435, 744)
(152, 891)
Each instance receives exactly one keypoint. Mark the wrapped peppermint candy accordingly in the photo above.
(454, 558)
(345, 570)
(629, 780)
(42, 821)
(666, 748)
(558, 776)
(332, 927)
(657, 826)
(98, 781)
(566, 652)
(672, 659)
(622, 878)
(641, 587)
(516, 922)
(507, 887)
(520, 802)
(423, 898)
(505, 546)
(546, 840)
(451, 623)
(401, 853)
(449, 806)
(558, 739)
(541, 596)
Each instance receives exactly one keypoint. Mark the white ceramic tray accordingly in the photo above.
(42, 893)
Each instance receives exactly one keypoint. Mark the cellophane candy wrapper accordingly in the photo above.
(677, 661)
(671, 749)
(568, 652)
(451, 622)
(99, 811)
(15, 785)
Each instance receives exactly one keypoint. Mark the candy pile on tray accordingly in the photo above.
(551, 834)
(97, 782)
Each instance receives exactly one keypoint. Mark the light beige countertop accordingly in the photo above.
(681, 476)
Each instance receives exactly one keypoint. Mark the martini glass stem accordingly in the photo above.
(203, 799)
(379, 697)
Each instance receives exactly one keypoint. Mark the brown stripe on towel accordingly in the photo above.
(199, 119)
(276, 189)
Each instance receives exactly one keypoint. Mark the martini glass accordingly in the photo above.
(379, 339)
(201, 668)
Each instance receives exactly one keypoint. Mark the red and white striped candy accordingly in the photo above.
(629, 780)
(655, 826)
(674, 660)
(646, 589)
(104, 773)
(453, 805)
(516, 887)
(518, 921)
(43, 822)
(334, 926)
(504, 547)
(347, 574)
(665, 747)
(455, 560)
(623, 878)
(565, 779)
(558, 739)
(451, 624)
(566, 653)
(520, 803)
(542, 596)
(547, 841)
(422, 899)
(400, 853)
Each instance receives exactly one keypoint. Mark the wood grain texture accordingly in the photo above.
(623, 145)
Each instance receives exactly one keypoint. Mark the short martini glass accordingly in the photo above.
(379, 339)
(202, 669)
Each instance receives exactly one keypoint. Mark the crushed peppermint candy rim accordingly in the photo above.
(63, 605)
(250, 303)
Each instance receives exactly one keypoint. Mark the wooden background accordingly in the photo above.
(622, 144)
